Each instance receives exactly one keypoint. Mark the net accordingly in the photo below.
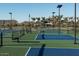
(55, 31)
(55, 34)
(10, 37)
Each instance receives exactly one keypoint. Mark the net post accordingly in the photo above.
(1, 39)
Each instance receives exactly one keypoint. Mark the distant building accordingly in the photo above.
(8, 22)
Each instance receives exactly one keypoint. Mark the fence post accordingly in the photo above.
(1, 39)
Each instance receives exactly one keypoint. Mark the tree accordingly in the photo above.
(67, 24)
(61, 16)
(33, 18)
(38, 21)
(43, 21)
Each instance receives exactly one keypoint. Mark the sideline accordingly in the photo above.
(28, 51)
(30, 46)
(37, 35)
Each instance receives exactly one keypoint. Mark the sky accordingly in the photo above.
(21, 11)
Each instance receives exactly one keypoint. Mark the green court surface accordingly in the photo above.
(13, 48)
(13, 51)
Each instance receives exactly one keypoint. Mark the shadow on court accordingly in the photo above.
(41, 50)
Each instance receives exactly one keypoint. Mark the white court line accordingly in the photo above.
(30, 47)
(37, 35)
(28, 51)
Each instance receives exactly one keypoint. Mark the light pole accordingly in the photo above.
(11, 24)
(11, 20)
(75, 23)
(29, 23)
(59, 6)
(53, 18)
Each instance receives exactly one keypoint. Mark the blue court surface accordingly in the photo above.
(54, 37)
(53, 52)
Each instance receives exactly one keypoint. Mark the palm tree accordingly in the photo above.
(43, 18)
(56, 21)
(33, 19)
(38, 21)
(61, 16)
(78, 22)
(43, 21)
(70, 18)
(67, 23)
